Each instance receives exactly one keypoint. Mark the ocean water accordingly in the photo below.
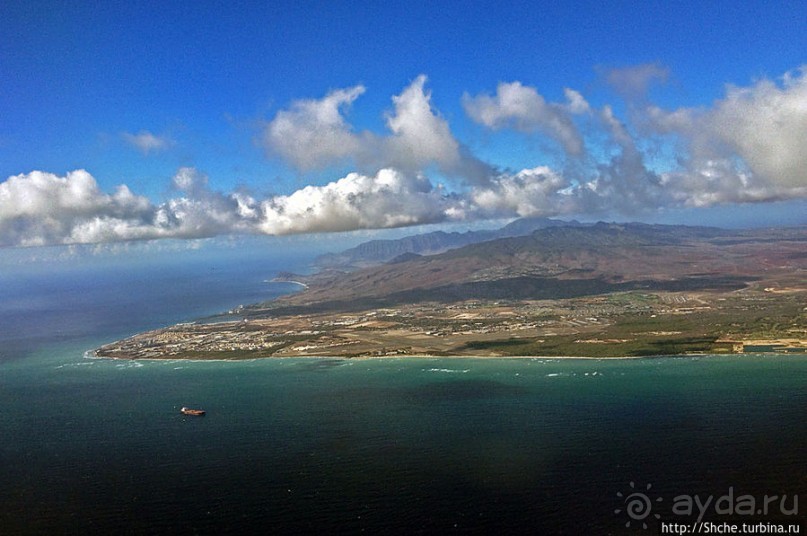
(392, 446)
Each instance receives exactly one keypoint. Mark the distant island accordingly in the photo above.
(534, 288)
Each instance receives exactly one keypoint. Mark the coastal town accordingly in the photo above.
(614, 325)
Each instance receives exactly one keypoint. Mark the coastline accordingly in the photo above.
(616, 325)
(91, 354)
(299, 337)
(276, 280)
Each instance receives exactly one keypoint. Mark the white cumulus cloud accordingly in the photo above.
(41, 208)
(313, 133)
(530, 192)
(146, 142)
(389, 198)
(749, 146)
(418, 135)
(523, 108)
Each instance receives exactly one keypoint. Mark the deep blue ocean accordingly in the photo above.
(393, 446)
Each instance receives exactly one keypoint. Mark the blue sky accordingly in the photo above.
(217, 116)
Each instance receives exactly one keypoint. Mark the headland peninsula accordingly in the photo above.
(535, 288)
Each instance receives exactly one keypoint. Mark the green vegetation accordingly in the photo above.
(571, 346)
(226, 355)
(697, 329)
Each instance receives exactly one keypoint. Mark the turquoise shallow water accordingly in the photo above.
(394, 446)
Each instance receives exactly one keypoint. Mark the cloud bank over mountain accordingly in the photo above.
(748, 146)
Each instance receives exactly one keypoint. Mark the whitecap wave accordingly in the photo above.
(129, 364)
(79, 364)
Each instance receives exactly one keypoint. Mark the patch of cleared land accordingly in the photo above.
(622, 324)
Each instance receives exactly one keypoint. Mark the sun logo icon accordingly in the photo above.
(637, 505)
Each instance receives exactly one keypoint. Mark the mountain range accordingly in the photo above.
(377, 252)
(563, 260)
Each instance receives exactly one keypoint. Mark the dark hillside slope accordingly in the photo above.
(573, 260)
